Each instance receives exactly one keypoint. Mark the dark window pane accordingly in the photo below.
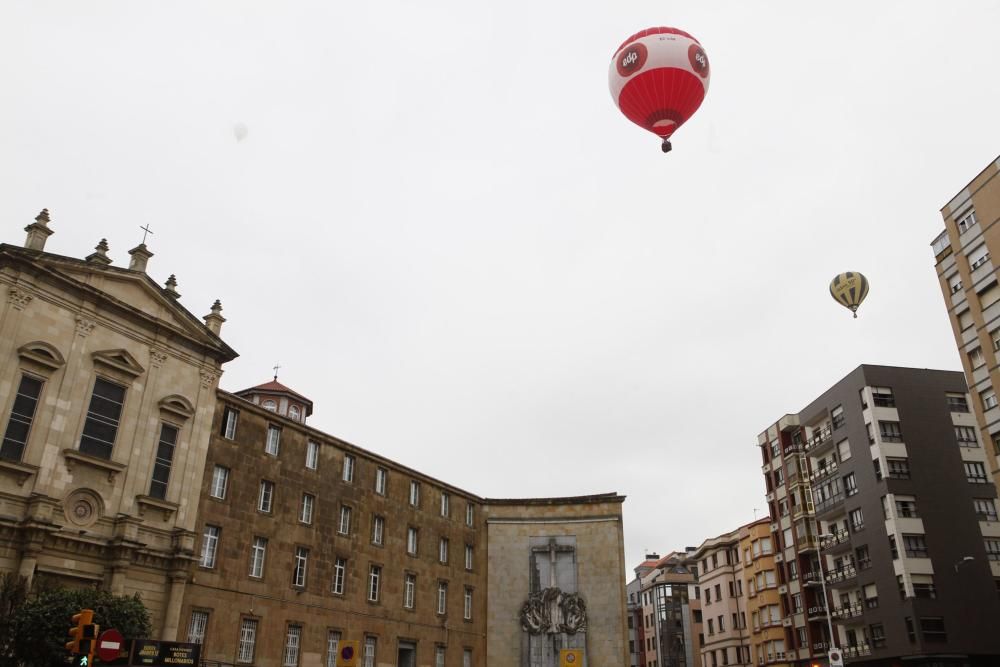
(164, 457)
(101, 427)
(21, 416)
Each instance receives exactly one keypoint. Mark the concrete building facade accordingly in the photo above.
(878, 502)
(723, 603)
(669, 601)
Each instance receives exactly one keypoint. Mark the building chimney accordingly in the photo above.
(38, 232)
(653, 556)
(215, 319)
(140, 257)
(170, 287)
(101, 256)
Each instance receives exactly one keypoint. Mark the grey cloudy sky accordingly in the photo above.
(443, 229)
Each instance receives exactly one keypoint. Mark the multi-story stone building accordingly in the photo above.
(963, 254)
(107, 387)
(123, 466)
(884, 523)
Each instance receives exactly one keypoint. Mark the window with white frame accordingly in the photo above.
(966, 436)
(293, 637)
(411, 541)
(409, 590)
(301, 563)
(467, 657)
(265, 499)
(989, 399)
(445, 504)
(467, 604)
(210, 545)
(966, 222)
(197, 627)
(273, 440)
(348, 468)
(468, 556)
(293, 412)
(229, 419)
(370, 646)
(992, 548)
(381, 477)
(220, 482)
(344, 528)
(378, 529)
(339, 575)
(986, 509)
(332, 644)
(258, 551)
(976, 358)
(248, 640)
(270, 405)
(439, 656)
(414, 493)
(374, 581)
(442, 605)
(975, 472)
(312, 454)
(469, 514)
(443, 550)
(857, 519)
(978, 257)
(306, 510)
(955, 283)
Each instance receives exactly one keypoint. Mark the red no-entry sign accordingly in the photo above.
(109, 645)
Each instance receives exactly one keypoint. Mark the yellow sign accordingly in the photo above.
(348, 653)
(571, 657)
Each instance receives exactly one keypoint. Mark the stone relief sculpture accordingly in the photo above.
(551, 611)
(552, 618)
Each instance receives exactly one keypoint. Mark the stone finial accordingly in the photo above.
(170, 287)
(38, 232)
(215, 319)
(140, 257)
(101, 256)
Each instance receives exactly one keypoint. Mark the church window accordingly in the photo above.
(164, 459)
(21, 415)
(101, 426)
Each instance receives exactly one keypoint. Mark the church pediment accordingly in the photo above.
(119, 360)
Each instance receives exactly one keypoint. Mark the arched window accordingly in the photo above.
(270, 406)
(293, 412)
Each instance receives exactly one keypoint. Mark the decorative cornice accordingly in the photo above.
(20, 471)
(208, 379)
(19, 298)
(157, 357)
(84, 326)
(73, 456)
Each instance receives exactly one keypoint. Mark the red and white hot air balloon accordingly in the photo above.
(658, 79)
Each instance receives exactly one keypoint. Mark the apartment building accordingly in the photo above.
(763, 599)
(884, 523)
(963, 255)
(671, 628)
(723, 603)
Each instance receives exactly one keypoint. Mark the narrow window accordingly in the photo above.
(348, 468)
(15, 438)
(292, 638)
(374, 578)
(442, 606)
(164, 459)
(258, 551)
(439, 656)
(468, 556)
(381, 475)
(414, 493)
(467, 657)
(266, 497)
(101, 426)
(229, 419)
(339, 575)
(378, 530)
(273, 440)
(197, 627)
(345, 520)
(370, 651)
(306, 511)
(301, 563)
(409, 590)
(332, 643)
(209, 545)
(469, 514)
(248, 639)
(445, 504)
(467, 605)
(411, 541)
(220, 482)
(312, 454)
(443, 550)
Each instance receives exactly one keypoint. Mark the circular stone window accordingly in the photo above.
(83, 508)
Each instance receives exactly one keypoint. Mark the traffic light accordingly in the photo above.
(84, 638)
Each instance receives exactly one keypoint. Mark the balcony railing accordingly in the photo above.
(810, 577)
(820, 438)
(818, 610)
(819, 646)
(839, 537)
(841, 574)
(830, 502)
(850, 611)
(857, 650)
(823, 471)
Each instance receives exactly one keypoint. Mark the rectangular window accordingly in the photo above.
(439, 656)
(248, 639)
(989, 398)
(273, 444)
(348, 468)
(414, 493)
(374, 577)
(986, 509)
(467, 657)
(306, 511)
(381, 475)
(844, 450)
(220, 482)
(469, 514)
(210, 545)
(292, 638)
(906, 507)
(411, 541)
(992, 548)
(890, 431)
(898, 468)
(467, 605)
(101, 426)
(345, 520)
(877, 634)
(850, 484)
(339, 575)
(955, 283)
(369, 652)
(915, 546)
(22, 413)
(409, 590)
(965, 223)
(923, 586)
(445, 505)
(837, 416)
(857, 520)
(883, 397)
(197, 627)
(301, 564)
(378, 530)
(978, 257)
(975, 472)
(312, 455)
(442, 606)
(229, 419)
(966, 436)
(443, 550)
(332, 644)
(164, 459)
(265, 499)
(468, 554)
(957, 402)
(932, 629)
(258, 551)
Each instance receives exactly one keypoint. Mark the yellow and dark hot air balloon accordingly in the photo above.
(849, 290)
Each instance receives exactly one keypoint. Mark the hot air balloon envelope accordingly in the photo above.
(849, 289)
(658, 79)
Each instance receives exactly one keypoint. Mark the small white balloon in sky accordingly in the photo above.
(240, 131)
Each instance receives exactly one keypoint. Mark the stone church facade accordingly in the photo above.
(124, 466)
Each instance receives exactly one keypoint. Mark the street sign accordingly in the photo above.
(836, 657)
(156, 653)
(570, 657)
(347, 654)
(110, 645)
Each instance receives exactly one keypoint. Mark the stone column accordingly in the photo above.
(172, 614)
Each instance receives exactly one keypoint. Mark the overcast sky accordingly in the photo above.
(444, 231)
